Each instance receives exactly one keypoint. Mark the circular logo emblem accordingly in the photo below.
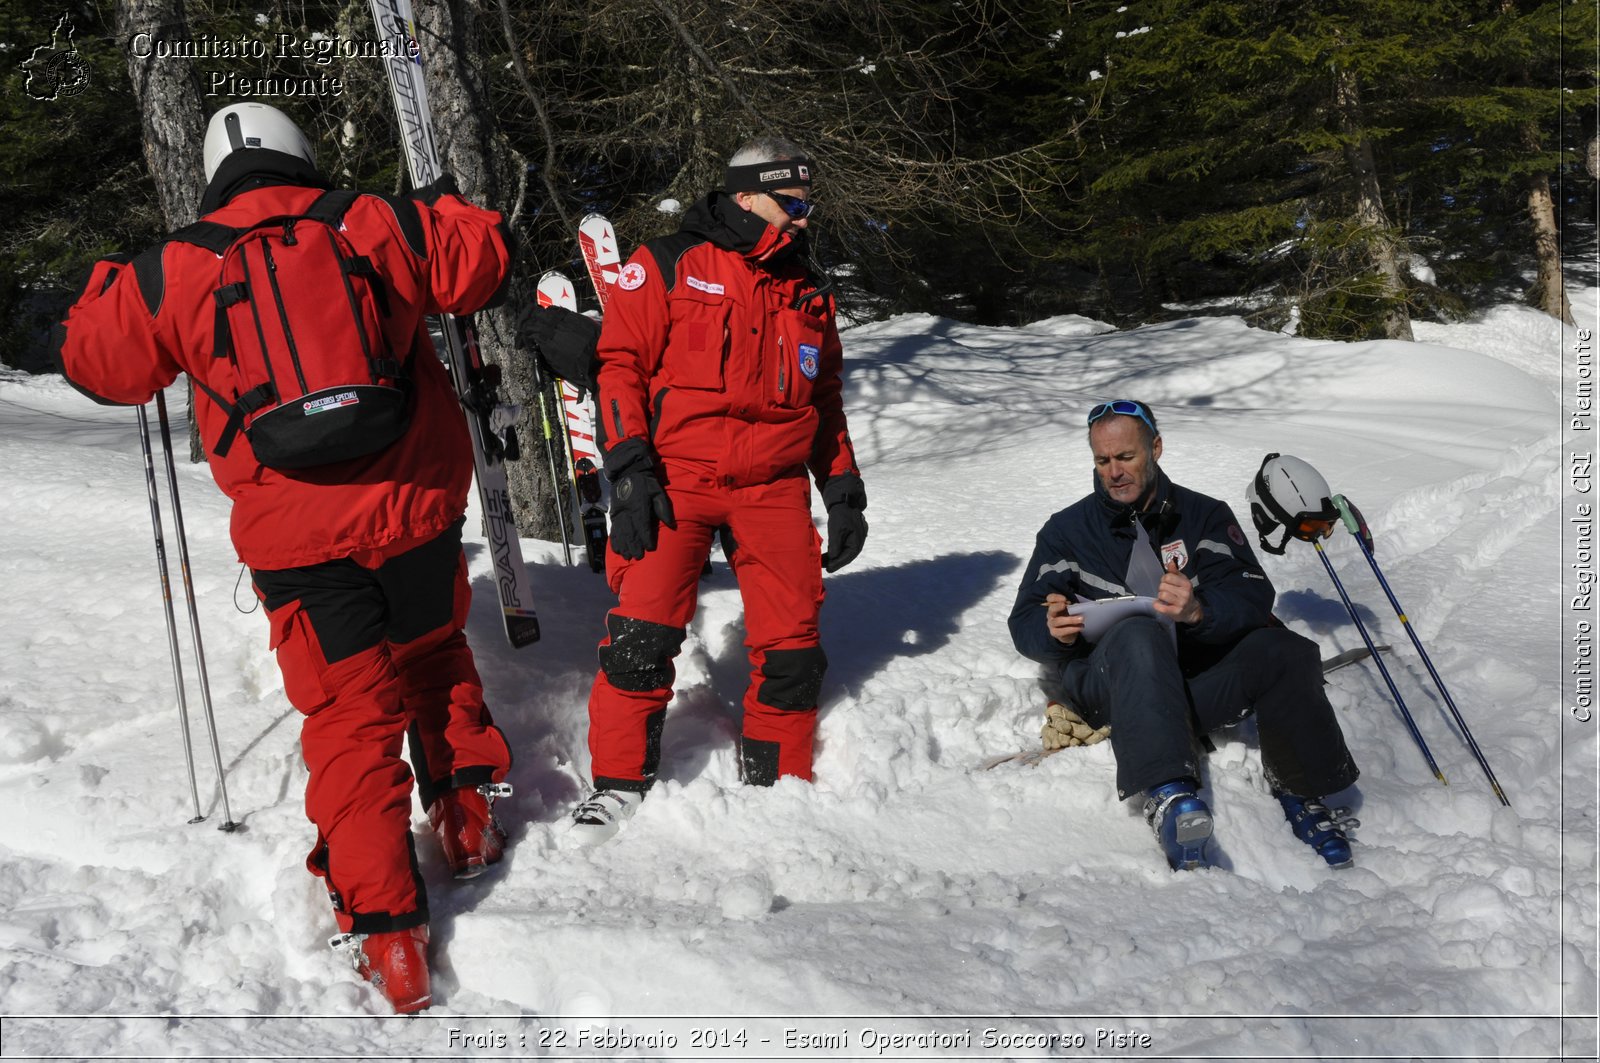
(632, 276)
(69, 73)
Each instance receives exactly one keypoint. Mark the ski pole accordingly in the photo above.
(541, 388)
(228, 823)
(1357, 527)
(1411, 725)
(166, 601)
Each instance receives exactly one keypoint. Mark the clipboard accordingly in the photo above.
(1099, 614)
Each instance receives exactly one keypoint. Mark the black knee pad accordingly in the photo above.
(758, 762)
(640, 654)
(792, 679)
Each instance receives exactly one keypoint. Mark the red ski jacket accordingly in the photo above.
(711, 354)
(137, 326)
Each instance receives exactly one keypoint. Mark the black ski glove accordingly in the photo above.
(565, 342)
(637, 500)
(845, 496)
(443, 185)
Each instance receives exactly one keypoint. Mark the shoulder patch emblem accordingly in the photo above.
(632, 276)
(1236, 535)
(1175, 551)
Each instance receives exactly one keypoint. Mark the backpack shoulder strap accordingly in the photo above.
(330, 207)
(213, 236)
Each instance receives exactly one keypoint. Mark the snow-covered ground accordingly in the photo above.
(906, 894)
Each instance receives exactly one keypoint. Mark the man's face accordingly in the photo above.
(1125, 464)
(768, 210)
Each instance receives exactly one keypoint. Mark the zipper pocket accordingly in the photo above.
(283, 314)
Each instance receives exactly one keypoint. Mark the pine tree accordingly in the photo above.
(75, 188)
(1254, 138)
(1506, 131)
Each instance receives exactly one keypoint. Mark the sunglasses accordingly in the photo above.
(797, 208)
(1128, 408)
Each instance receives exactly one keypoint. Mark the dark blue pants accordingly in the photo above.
(1132, 682)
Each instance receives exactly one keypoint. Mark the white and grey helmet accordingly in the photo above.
(1290, 494)
(252, 125)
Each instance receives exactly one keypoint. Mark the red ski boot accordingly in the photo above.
(396, 962)
(470, 836)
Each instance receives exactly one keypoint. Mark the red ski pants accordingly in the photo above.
(372, 651)
(776, 557)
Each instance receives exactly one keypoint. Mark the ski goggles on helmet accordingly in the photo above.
(798, 209)
(1287, 493)
(1128, 408)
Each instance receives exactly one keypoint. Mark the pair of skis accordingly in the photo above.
(598, 242)
(477, 383)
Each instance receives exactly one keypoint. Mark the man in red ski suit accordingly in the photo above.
(359, 563)
(719, 389)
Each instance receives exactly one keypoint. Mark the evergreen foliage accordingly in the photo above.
(72, 168)
(994, 160)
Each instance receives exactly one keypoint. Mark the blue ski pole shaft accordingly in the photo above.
(1411, 724)
(166, 601)
(1466, 732)
(228, 823)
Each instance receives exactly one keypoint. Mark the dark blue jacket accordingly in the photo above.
(1084, 550)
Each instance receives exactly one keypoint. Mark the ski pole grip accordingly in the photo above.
(1342, 504)
(1354, 523)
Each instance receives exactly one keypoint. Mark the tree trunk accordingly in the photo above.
(174, 126)
(1549, 291)
(1385, 251)
(463, 123)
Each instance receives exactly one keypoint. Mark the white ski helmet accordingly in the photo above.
(1289, 492)
(252, 125)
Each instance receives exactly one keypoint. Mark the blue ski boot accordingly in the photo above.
(1181, 821)
(1320, 827)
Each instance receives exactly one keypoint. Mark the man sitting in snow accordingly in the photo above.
(1209, 653)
